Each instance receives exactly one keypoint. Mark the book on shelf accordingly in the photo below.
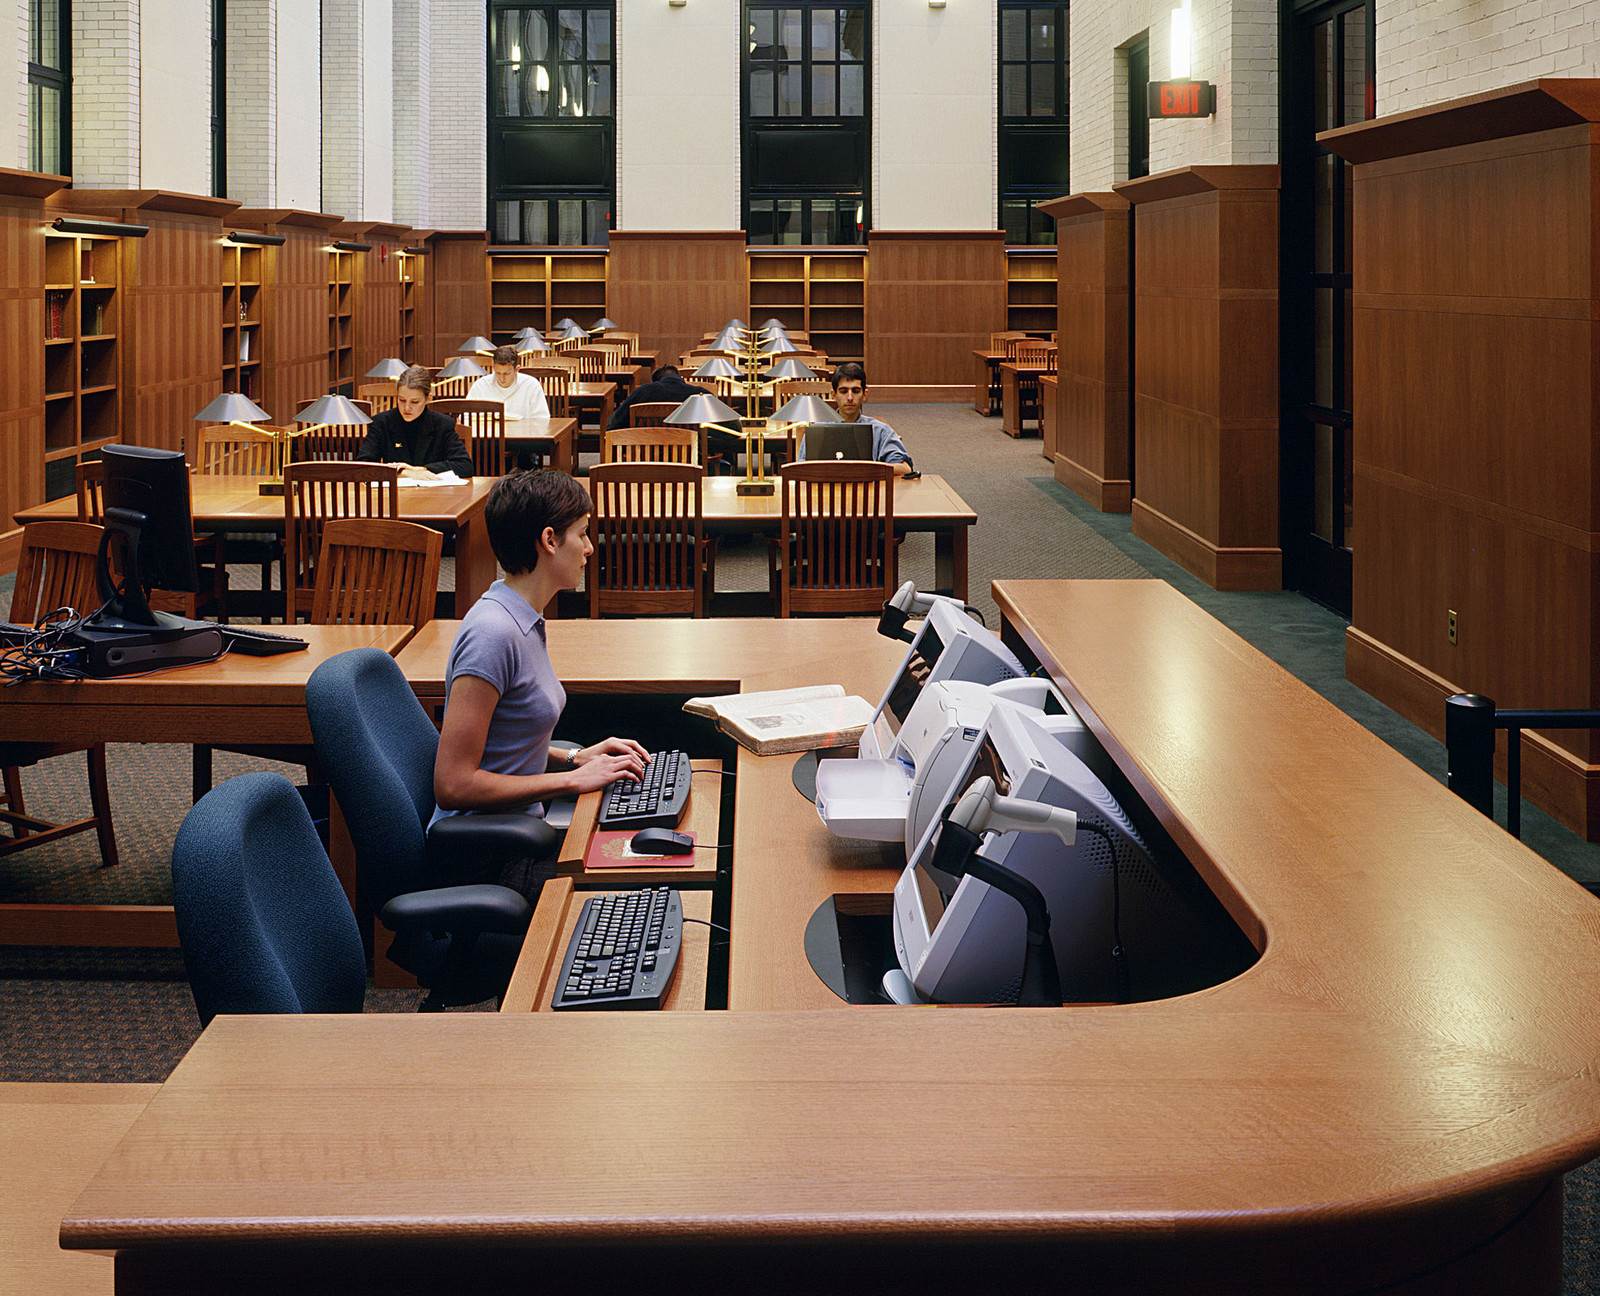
(56, 304)
(787, 720)
(244, 345)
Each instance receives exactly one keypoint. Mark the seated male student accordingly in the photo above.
(502, 697)
(520, 393)
(666, 384)
(850, 386)
(422, 441)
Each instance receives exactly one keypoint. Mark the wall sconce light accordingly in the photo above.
(1182, 43)
(122, 229)
(350, 245)
(259, 240)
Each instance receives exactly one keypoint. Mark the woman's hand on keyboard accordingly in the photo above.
(606, 762)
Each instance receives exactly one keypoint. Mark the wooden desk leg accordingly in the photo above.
(1010, 403)
(475, 566)
(980, 386)
(950, 560)
(561, 458)
(608, 407)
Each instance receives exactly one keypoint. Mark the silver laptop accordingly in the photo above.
(837, 441)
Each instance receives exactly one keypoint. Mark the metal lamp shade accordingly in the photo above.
(475, 344)
(701, 408)
(529, 334)
(460, 367)
(734, 323)
(791, 368)
(574, 331)
(717, 367)
(728, 340)
(387, 369)
(566, 322)
(332, 409)
(231, 407)
(777, 346)
(534, 344)
(604, 323)
(774, 323)
(807, 409)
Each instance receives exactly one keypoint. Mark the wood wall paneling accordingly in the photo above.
(671, 287)
(1477, 417)
(22, 333)
(377, 294)
(295, 313)
(458, 289)
(1206, 371)
(1091, 459)
(932, 299)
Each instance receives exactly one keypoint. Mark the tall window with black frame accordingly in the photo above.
(552, 123)
(1033, 142)
(49, 86)
(806, 123)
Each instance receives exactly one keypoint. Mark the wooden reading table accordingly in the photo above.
(986, 382)
(551, 438)
(1386, 1099)
(1014, 379)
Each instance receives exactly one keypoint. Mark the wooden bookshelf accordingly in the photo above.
(538, 287)
(821, 291)
(1031, 289)
(82, 353)
(342, 322)
(413, 270)
(242, 301)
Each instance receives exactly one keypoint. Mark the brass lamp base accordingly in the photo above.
(272, 487)
(750, 486)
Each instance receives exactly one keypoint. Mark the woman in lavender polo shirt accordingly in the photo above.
(502, 697)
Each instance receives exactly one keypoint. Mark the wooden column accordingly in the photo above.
(932, 299)
(1205, 372)
(458, 289)
(378, 293)
(22, 334)
(294, 313)
(1091, 451)
(1477, 416)
(670, 287)
(172, 305)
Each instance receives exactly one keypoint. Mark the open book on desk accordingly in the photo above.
(446, 478)
(787, 720)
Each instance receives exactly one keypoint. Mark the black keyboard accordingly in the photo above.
(253, 641)
(657, 801)
(624, 953)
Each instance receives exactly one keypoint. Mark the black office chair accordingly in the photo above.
(262, 920)
(460, 938)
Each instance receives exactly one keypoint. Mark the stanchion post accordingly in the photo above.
(1469, 749)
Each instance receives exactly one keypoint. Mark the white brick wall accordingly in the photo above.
(413, 109)
(17, 73)
(106, 89)
(252, 51)
(377, 114)
(1447, 49)
(458, 142)
(297, 164)
(1235, 47)
(343, 104)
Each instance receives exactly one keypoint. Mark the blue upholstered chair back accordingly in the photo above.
(264, 924)
(377, 745)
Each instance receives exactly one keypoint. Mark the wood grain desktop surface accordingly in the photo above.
(1387, 1096)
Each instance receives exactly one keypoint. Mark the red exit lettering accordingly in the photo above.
(1180, 100)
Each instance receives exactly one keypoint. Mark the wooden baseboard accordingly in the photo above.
(1220, 568)
(922, 392)
(1108, 494)
(10, 551)
(1558, 781)
(141, 926)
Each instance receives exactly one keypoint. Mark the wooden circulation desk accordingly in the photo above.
(1386, 1099)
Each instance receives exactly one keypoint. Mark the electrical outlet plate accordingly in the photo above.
(1450, 624)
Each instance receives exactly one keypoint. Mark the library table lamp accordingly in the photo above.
(728, 340)
(717, 367)
(233, 410)
(460, 367)
(774, 323)
(476, 346)
(387, 369)
(734, 323)
(704, 411)
(791, 368)
(325, 411)
(566, 322)
(604, 323)
(800, 411)
(777, 345)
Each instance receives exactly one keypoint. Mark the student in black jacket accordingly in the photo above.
(665, 385)
(422, 441)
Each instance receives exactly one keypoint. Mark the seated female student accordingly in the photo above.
(502, 697)
(422, 441)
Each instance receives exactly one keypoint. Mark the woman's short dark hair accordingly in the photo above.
(505, 355)
(417, 379)
(521, 505)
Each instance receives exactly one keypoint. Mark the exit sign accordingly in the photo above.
(1182, 99)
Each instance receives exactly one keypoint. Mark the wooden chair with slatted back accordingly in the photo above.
(451, 388)
(650, 413)
(554, 379)
(1031, 352)
(788, 388)
(57, 569)
(313, 494)
(376, 571)
(997, 341)
(652, 443)
(566, 344)
(212, 598)
(485, 421)
(835, 553)
(227, 450)
(650, 554)
(591, 363)
(380, 396)
(630, 340)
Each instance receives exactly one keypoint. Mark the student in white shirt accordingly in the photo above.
(521, 394)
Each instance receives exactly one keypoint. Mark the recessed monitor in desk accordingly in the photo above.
(961, 941)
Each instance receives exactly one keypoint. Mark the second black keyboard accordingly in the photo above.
(657, 801)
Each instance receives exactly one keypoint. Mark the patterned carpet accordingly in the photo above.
(126, 1015)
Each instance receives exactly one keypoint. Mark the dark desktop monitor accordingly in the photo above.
(836, 441)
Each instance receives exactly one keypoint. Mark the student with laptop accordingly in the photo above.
(850, 386)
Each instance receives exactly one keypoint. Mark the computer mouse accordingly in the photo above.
(660, 841)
